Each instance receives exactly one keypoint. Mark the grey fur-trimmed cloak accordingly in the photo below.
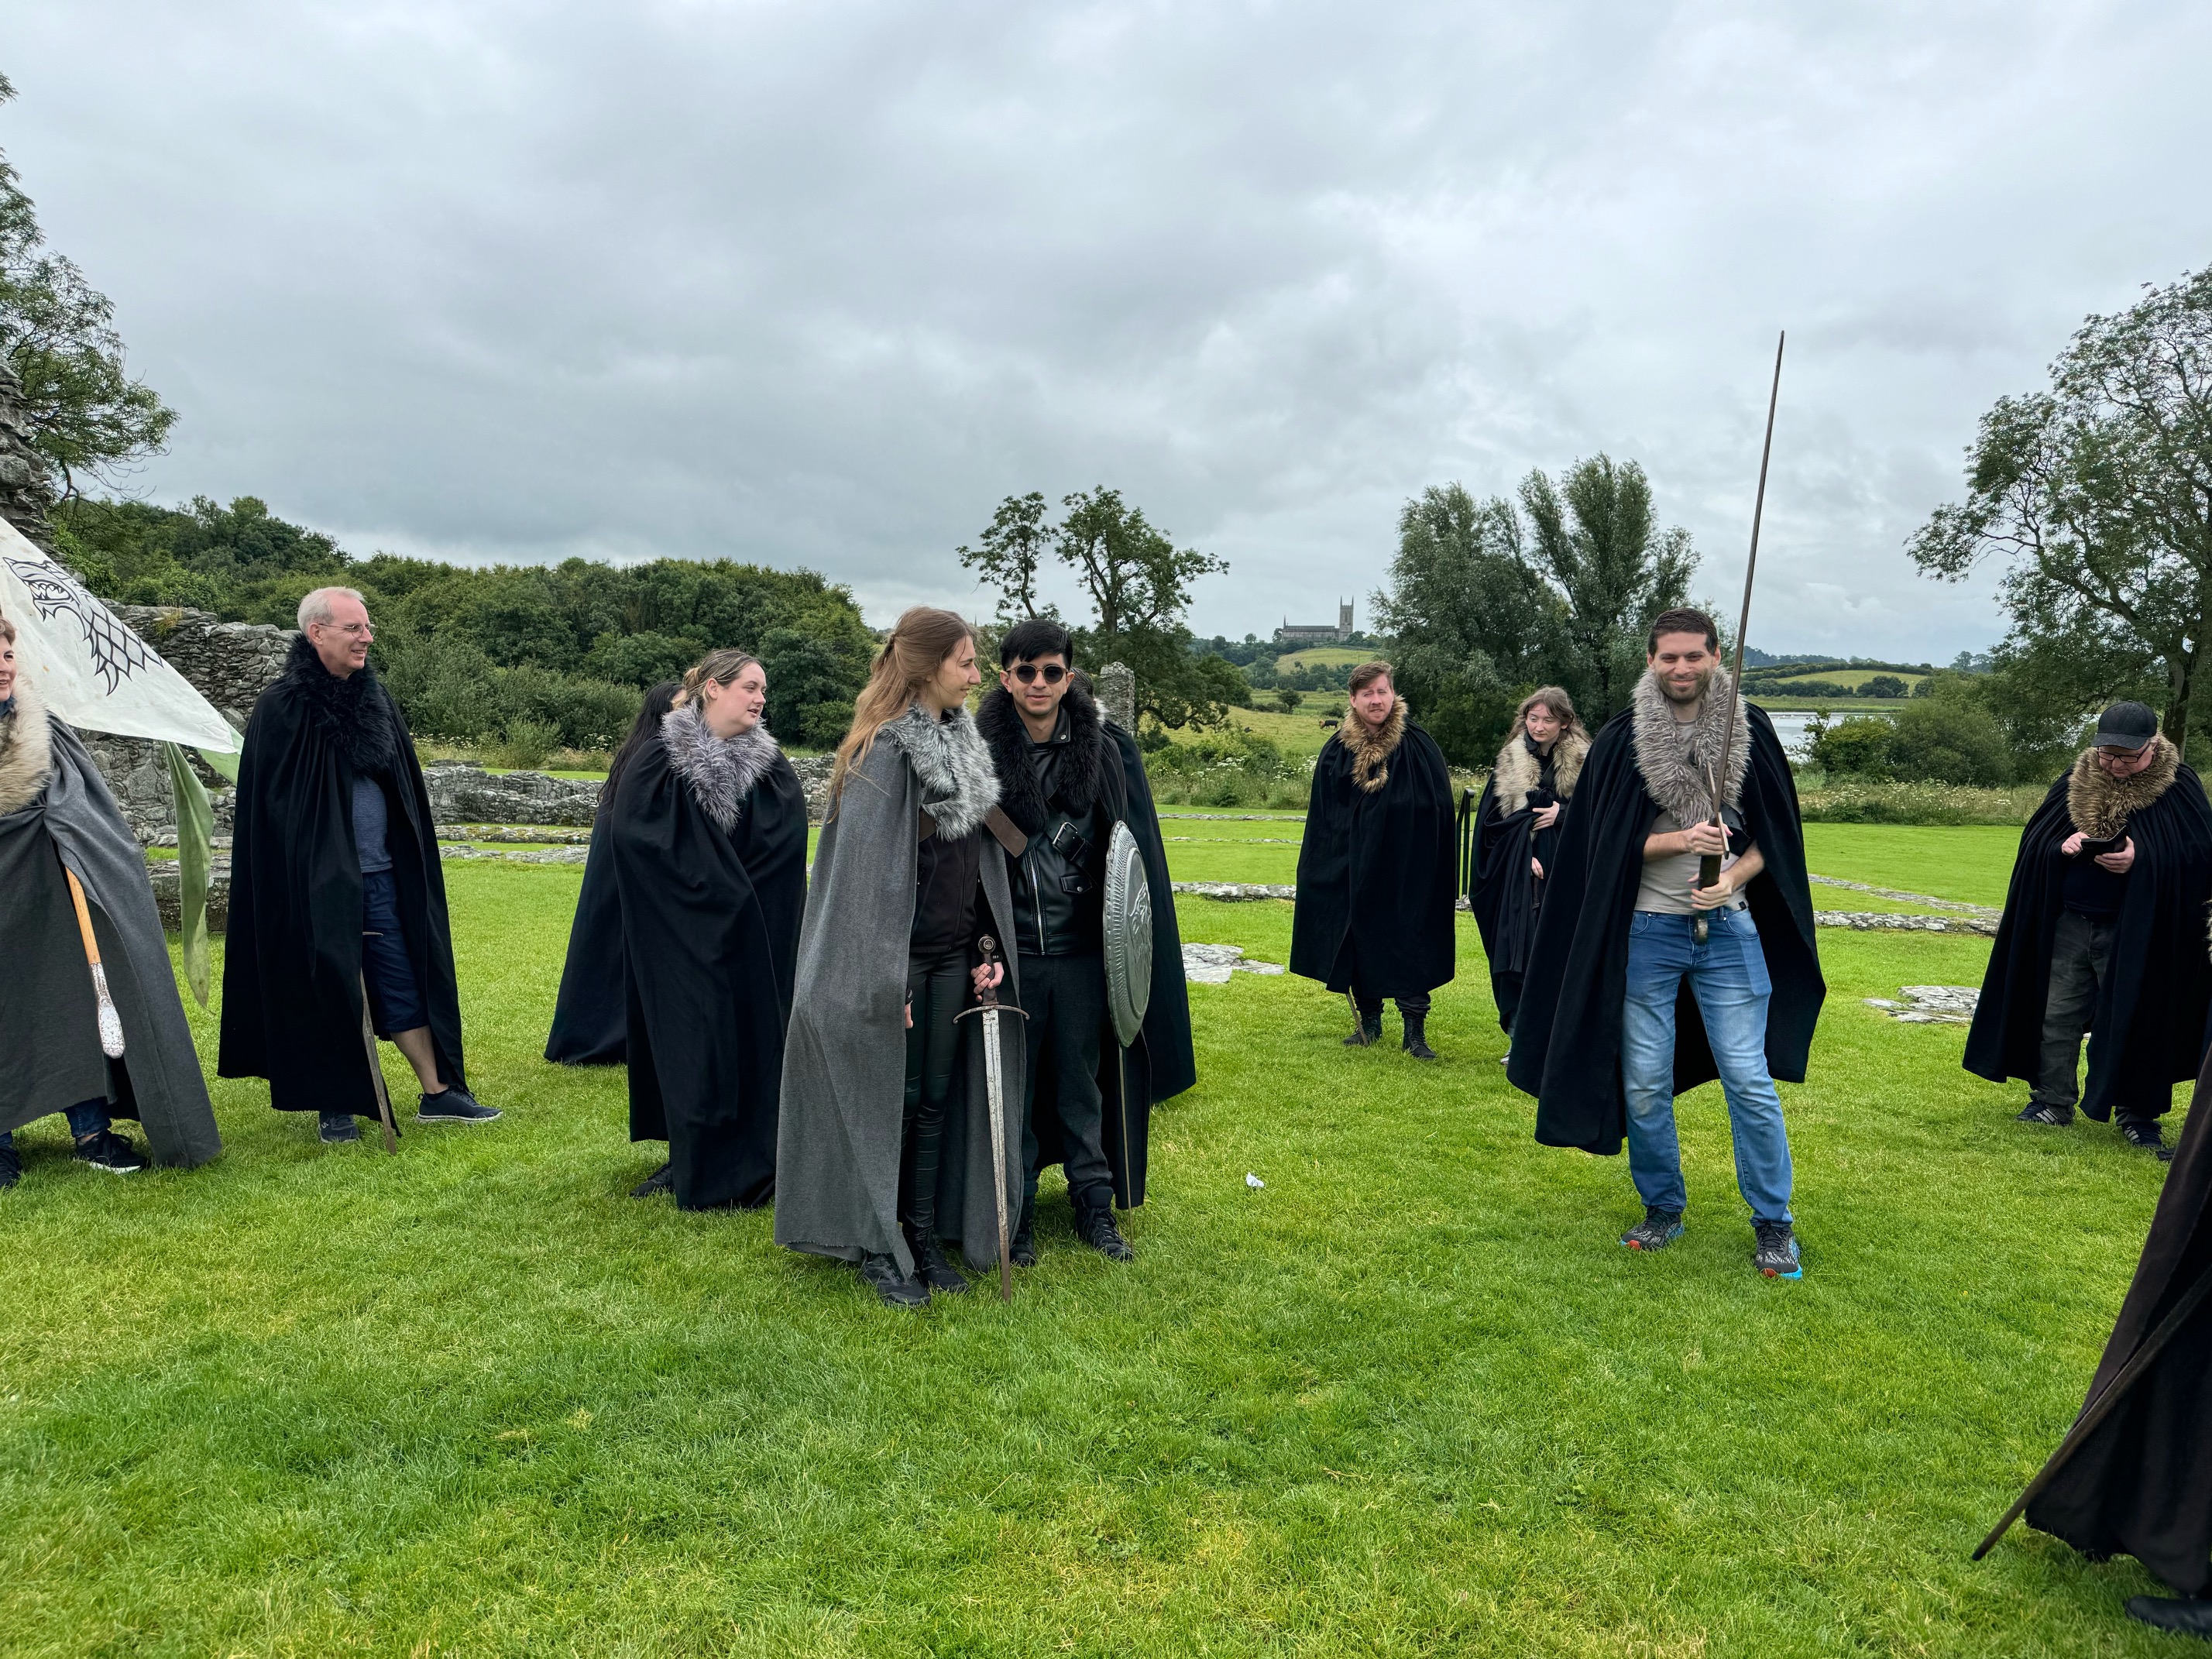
(844, 1059)
(56, 813)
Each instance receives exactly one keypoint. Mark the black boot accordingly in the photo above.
(1023, 1249)
(1094, 1225)
(1369, 1031)
(1417, 1042)
(929, 1265)
(2184, 1615)
(881, 1275)
(662, 1180)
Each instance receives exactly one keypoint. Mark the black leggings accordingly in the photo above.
(935, 991)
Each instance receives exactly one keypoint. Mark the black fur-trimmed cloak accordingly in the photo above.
(1108, 781)
(1378, 873)
(291, 978)
(1566, 1037)
(1503, 891)
(2148, 1027)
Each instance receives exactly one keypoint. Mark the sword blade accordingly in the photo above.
(995, 1089)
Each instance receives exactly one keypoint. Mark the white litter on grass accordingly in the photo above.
(1212, 964)
(1930, 1005)
(1253, 1181)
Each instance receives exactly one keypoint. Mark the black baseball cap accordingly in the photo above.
(2125, 726)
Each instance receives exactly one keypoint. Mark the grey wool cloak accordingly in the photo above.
(844, 1059)
(56, 813)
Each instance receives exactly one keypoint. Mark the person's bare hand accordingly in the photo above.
(910, 1013)
(1704, 839)
(985, 978)
(1713, 897)
(1536, 868)
(2072, 845)
(1548, 815)
(2121, 859)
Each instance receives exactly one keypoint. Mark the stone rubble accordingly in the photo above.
(1212, 964)
(1930, 1005)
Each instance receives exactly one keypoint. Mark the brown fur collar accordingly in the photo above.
(1515, 777)
(1370, 751)
(26, 755)
(1675, 780)
(2099, 804)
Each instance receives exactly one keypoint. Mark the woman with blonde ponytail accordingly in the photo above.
(884, 1153)
(707, 835)
(1517, 826)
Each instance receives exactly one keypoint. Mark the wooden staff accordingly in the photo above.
(376, 1075)
(111, 1022)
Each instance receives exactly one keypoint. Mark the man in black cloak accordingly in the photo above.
(57, 819)
(1517, 834)
(592, 1013)
(1067, 776)
(335, 884)
(1623, 1009)
(2140, 1483)
(707, 840)
(2103, 931)
(1378, 875)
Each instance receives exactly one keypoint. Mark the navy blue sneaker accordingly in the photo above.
(1777, 1254)
(11, 1164)
(110, 1151)
(1658, 1229)
(337, 1127)
(452, 1106)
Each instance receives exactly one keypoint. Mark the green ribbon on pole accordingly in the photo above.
(195, 844)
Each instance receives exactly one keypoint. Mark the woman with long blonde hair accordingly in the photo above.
(885, 1154)
(1517, 826)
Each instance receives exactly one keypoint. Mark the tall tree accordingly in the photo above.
(85, 414)
(2097, 495)
(1010, 553)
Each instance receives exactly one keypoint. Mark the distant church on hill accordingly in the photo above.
(1318, 633)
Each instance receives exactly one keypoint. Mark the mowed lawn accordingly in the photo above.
(1407, 1398)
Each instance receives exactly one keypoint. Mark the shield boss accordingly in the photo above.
(1128, 935)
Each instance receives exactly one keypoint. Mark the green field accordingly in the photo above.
(1323, 656)
(1302, 733)
(1854, 678)
(1408, 1398)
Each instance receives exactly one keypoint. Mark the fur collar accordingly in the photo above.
(355, 713)
(958, 785)
(26, 755)
(1519, 771)
(721, 771)
(1675, 780)
(2101, 805)
(1075, 773)
(1370, 750)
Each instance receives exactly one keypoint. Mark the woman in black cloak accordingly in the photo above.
(592, 1013)
(706, 837)
(1516, 833)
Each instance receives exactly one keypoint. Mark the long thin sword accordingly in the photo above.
(1709, 867)
(994, 1091)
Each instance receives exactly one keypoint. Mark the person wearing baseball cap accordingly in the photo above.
(2103, 931)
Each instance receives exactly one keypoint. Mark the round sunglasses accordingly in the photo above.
(1027, 673)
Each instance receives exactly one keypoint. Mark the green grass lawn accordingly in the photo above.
(1409, 1398)
(1324, 656)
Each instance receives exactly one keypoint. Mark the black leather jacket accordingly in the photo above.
(1059, 881)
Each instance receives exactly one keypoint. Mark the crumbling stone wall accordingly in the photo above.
(27, 482)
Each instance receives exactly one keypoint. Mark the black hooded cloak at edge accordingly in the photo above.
(709, 917)
(1566, 1037)
(2149, 1020)
(1378, 873)
(591, 1014)
(291, 971)
(2141, 1484)
(1161, 1063)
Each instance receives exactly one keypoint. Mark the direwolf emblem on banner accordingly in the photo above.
(117, 653)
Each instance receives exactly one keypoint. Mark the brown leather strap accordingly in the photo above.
(1008, 832)
(925, 828)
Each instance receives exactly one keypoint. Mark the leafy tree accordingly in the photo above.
(1950, 737)
(2097, 495)
(1010, 552)
(86, 414)
(1882, 685)
(1857, 747)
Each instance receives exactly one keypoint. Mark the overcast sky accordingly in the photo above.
(818, 283)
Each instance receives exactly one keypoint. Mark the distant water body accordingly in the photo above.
(1789, 725)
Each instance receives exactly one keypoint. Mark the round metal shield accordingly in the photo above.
(1128, 935)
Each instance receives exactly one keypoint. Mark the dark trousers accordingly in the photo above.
(2080, 963)
(935, 989)
(395, 1000)
(86, 1117)
(1066, 1000)
(1414, 1007)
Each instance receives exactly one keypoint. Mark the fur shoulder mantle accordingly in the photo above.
(720, 771)
(355, 713)
(2101, 805)
(1079, 772)
(1371, 750)
(1678, 777)
(1518, 771)
(27, 754)
(949, 755)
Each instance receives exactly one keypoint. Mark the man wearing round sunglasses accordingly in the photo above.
(1067, 776)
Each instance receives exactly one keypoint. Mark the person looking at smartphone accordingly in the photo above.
(2103, 931)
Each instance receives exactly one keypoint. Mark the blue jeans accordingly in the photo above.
(1727, 976)
(86, 1117)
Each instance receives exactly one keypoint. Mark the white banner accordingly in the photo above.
(93, 672)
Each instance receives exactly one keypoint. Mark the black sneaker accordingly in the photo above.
(929, 1265)
(2142, 1133)
(1658, 1229)
(1094, 1225)
(11, 1166)
(338, 1127)
(1022, 1248)
(454, 1106)
(896, 1289)
(110, 1151)
(1417, 1037)
(2049, 1114)
(2183, 1616)
(662, 1180)
(1777, 1254)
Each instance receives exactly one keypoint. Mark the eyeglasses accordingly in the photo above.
(1027, 672)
